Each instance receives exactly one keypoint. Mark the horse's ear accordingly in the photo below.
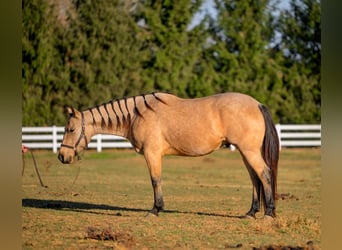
(71, 112)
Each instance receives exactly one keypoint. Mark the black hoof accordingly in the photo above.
(155, 211)
(251, 213)
(270, 212)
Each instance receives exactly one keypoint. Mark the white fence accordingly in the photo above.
(299, 135)
(51, 137)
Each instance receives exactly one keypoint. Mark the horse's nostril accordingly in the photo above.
(65, 160)
(61, 158)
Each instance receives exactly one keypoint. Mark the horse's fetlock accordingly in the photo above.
(159, 204)
(270, 212)
(155, 182)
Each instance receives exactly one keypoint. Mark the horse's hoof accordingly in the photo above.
(250, 217)
(151, 215)
(268, 218)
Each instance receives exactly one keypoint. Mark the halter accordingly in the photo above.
(82, 135)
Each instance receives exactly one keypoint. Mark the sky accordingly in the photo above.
(208, 6)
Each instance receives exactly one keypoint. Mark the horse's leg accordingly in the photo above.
(255, 207)
(153, 161)
(260, 168)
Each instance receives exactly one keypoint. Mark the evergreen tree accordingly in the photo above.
(103, 52)
(174, 49)
(300, 44)
(79, 53)
(38, 62)
(240, 55)
(83, 53)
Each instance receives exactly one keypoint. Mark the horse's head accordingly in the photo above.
(75, 137)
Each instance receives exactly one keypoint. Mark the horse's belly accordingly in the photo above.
(189, 146)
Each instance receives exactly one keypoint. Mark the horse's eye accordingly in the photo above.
(69, 130)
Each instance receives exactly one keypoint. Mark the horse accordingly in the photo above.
(159, 124)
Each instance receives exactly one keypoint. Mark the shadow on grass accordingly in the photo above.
(89, 207)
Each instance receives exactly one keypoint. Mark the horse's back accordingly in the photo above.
(226, 106)
(201, 125)
(233, 100)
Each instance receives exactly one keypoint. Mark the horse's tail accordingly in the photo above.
(270, 150)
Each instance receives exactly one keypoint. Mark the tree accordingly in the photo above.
(240, 53)
(102, 52)
(175, 50)
(78, 53)
(38, 55)
(84, 53)
(300, 44)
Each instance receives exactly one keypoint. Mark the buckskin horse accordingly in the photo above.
(159, 124)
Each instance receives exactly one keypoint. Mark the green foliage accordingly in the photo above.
(241, 58)
(300, 28)
(95, 55)
(84, 53)
(38, 62)
(175, 50)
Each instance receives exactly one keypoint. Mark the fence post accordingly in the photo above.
(99, 143)
(54, 139)
(278, 128)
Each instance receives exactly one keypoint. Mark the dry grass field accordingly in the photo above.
(205, 200)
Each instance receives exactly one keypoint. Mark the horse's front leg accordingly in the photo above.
(153, 161)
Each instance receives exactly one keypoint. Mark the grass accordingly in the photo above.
(204, 198)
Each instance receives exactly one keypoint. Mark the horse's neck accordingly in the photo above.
(113, 117)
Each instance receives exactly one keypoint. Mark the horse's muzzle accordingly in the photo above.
(65, 160)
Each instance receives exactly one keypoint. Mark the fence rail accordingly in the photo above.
(51, 137)
(299, 135)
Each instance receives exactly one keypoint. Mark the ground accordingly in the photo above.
(101, 203)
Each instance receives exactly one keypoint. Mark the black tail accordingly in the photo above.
(270, 149)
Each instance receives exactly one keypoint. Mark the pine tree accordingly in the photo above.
(83, 53)
(78, 53)
(38, 62)
(240, 53)
(300, 44)
(103, 51)
(175, 50)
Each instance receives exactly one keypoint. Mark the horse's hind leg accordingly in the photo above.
(263, 172)
(153, 161)
(255, 207)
